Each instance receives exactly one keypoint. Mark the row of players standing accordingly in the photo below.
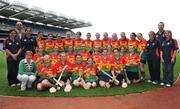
(161, 47)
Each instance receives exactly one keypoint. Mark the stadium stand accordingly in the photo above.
(35, 18)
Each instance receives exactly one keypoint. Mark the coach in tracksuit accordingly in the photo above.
(28, 42)
(12, 47)
(168, 56)
(153, 58)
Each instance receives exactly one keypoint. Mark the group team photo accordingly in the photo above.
(55, 62)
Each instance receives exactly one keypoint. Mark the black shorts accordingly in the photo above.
(64, 79)
(50, 80)
(104, 78)
(143, 61)
(120, 77)
(132, 75)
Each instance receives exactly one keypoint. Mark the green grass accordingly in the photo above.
(76, 92)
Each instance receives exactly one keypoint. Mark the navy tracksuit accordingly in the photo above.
(153, 59)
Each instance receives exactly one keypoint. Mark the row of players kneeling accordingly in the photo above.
(63, 74)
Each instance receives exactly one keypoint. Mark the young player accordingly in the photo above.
(105, 40)
(96, 55)
(133, 41)
(114, 41)
(77, 42)
(97, 42)
(49, 44)
(90, 73)
(123, 41)
(142, 54)
(118, 65)
(58, 42)
(109, 48)
(85, 54)
(70, 54)
(132, 64)
(39, 55)
(54, 56)
(78, 71)
(46, 72)
(89, 43)
(64, 64)
(27, 71)
(104, 63)
(39, 40)
(68, 41)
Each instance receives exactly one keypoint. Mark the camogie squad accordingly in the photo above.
(57, 63)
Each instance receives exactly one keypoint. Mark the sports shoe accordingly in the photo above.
(18, 84)
(29, 85)
(23, 87)
(162, 84)
(13, 85)
(154, 82)
(142, 78)
(107, 85)
(168, 85)
(149, 81)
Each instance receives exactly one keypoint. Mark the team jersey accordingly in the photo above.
(60, 67)
(123, 43)
(115, 44)
(142, 45)
(49, 45)
(47, 71)
(132, 59)
(54, 58)
(97, 43)
(89, 44)
(106, 42)
(110, 55)
(104, 64)
(37, 60)
(84, 55)
(71, 57)
(118, 64)
(96, 56)
(68, 42)
(77, 43)
(60, 44)
(78, 69)
(40, 42)
(134, 43)
(90, 71)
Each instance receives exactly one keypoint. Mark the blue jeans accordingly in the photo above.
(168, 70)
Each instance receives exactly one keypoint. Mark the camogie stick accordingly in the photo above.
(60, 76)
(52, 89)
(85, 86)
(127, 79)
(108, 75)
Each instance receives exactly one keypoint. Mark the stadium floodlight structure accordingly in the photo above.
(21, 11)
(9, 10)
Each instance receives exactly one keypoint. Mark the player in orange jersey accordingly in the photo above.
(115, 41)
(68, 41)
(58, 42)
(49, 44)
(78, 41)
(46, 72)
(142, 54)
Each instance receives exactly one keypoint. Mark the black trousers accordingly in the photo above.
(12, 66)
(154, 68)
(168, 73)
